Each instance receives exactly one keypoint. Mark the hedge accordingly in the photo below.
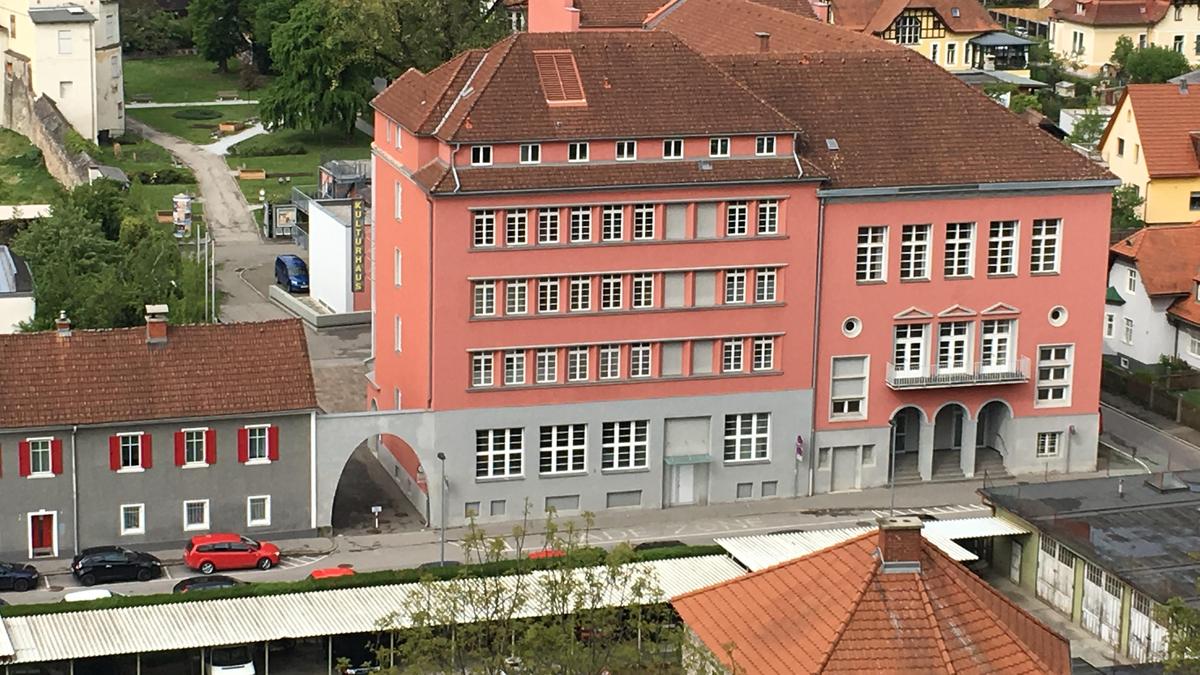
(196, 114)
(267, 146)
(581, 558)
(165, 176)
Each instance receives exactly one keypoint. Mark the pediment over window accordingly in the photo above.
(913, 313)
(1001, 308)
(956, 310)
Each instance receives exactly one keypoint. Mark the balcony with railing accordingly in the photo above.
(974, 374)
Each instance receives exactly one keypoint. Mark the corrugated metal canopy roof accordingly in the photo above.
(191, 625)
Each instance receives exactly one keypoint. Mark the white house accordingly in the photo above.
(16, 292)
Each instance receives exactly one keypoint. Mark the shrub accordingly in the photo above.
(266, 146)
(196, 114)
(165, 176)
(78, 145)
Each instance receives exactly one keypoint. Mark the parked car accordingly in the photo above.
(211, 552)
(547, 553)
(231, 660)
(206, 583)
(17, 576)
(114, 563)
(291, 273)
(330, 572)
(91, 594)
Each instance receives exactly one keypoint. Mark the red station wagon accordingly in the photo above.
(211, 552)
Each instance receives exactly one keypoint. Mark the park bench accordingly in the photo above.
(227, 96)
(140, 98)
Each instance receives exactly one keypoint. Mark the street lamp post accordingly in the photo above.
(442, 535)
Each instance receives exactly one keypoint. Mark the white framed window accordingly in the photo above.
(514, 367)
(626, 151)
(577, 364)
(1194, 346)
(581, 294)
(1127, 335)
(547, 226)
(1044, 248)
(547, 366)
(64, 90)
(764, 146)
(611, 290)
(673, 148)
(870, 262)
(484, 229)
(398, 201)
(848, 387)
(610, 362)
(130, 446)
(481, 369)
(951, 53)
(643, 222)
(737, 222)
(960, 250)
(64, 42)
(258, 511)
(612, 223)
(735, 287)
(397, 268)
(640, 357)
(718, 147)
(516, 296)
(768, 216)
(1002, 248)
(747, 437)
(133, 519)
(764, 353)
(996, 345)
(1054, 376)
(258, 443)
(914, 252)
(1131, 277)
(195, 515)
(643, 290)
(499, 453)
(908, 349)
(1048, 443)
(625, 445)
(1110, 324)
(548, 295)
(516, 228)
(531, 153)
(954, 353)
(481, 155)
(581, 224)
(732, 355)
(764, 284)
(194, 450)
(485, 298)
(577, 151)
(562, 448)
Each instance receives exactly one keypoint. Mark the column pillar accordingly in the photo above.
(925, 447)
(966, 456)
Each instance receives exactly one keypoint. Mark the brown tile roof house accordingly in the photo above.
(1168, 260)
(608, 14)
(885, 601)
(875, 16)
(125, 374)
(1110, 12)
(1168, 125)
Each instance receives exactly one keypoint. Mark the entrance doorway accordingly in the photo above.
(43, 535)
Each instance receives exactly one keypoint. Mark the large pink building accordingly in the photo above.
(646, 267)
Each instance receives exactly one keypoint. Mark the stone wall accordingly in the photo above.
(39, 119)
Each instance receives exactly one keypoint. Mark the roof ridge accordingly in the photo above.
(931, 616)
(482, 85)
(870, 577)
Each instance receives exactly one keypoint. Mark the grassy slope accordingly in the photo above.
(23, 175)
(179, 79)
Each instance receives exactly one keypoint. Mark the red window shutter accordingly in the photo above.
(210, 446)
(147, 451)
(23, 458)
(243, 445)
(56, 456)
(114, 453)
(273, 443)
(180, 458)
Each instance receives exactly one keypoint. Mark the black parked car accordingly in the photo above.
(206, 583)
(114, 563)
(18, 577)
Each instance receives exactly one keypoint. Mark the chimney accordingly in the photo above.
(63, 324)
(821, 9)
(552, 16)
(1183, 86)
(900, 543)
(156, 324)
(764, 41)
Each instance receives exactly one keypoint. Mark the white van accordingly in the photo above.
(91, 594)
(231, 660)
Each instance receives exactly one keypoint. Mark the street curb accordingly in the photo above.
(1149, 425)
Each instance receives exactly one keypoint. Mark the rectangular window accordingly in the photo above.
(625, 445)
(951, 53)
(577, 152)
(481, 369)
(64, 42)
(643, 221)
(953, 347)
(732, 355)
(64, 90)
(764, 284)
(848, 389)
(1131, 277)
(548, 295)
(398, 335)
(1194, 346)
(194, 451)
(996, 345)
(1194, 201)
(908, 353)
(1044, 247)
(612, 223)
(195, 515)
(547, 226)
(768, 217)
(1120, 147)
(870, 259)
(1054, 376)
(131, 450)
(581, 294)
(735, 287)
(960, 250)
(626, 151)
(611, 290)
(547, 366)
(640, 360)
(747, 436)
(914, 252)
(718, 147)
(764, 146)
(485, 228)
(398, 201)
(1177, 42)
(258, 511)
(514, 367)
(1110, 325)
(1048, 442)
(1002, 248)
(581, 224)
(133, 519)
(499, 453)
(531, 153)
(516, 228)
(562, 448)
(257, 443)
(737, 222)
(610, 362)
(643, 291)
(516, 299)
(764, 353)
(673, 148)
(481, 155)
(577, 364)
(485, 298)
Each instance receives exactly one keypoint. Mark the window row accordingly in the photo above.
(195, 515)
(624, 291)
(954, 343)
(624, 150)
(622, 361)
(959, 250)
(552, 226)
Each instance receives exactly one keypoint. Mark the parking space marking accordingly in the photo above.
(167, 572)
(288, 562)
(47, 580)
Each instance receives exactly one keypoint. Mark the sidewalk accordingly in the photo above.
(1168, 426)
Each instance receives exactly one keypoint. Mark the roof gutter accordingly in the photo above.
(593, 188)
(923, 190)
(795, 156)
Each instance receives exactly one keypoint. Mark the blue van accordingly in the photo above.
(291, 273)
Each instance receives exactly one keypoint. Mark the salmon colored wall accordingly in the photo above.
(1079, 287)
(606, 150)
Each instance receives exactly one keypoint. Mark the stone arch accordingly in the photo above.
(966, 410)
(914, 406)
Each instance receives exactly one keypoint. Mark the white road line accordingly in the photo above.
(167, 572)
(47, 580)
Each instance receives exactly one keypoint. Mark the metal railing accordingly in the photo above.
(974, 374)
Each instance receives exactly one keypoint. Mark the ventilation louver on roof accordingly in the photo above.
(559, 77)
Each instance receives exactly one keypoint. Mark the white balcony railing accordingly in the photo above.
(974, 374)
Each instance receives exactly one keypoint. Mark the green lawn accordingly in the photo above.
(196, 131)
(133, 155)
(320, 146)
(180, 79)
(23, 175)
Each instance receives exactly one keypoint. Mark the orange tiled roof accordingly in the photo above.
(874, 16)
(635, 13)
(101, 376)
(1110, 12)
(1166, 121)
(836, 611)
(1167, 257)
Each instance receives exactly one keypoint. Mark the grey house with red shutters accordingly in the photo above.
(149, 435)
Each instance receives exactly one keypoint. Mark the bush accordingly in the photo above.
(165, 176)
(267, 146)
(78, 145)
(196, 114)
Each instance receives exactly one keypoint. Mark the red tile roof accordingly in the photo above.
(102, 376)
(1110, 12)
(1168, 122)
(634, 13)
(1186, 308)
(837, 611)
(875, 16)
(1167, 257)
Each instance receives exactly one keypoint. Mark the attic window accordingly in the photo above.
(954, 11)
(559, 76)
(1079, 8)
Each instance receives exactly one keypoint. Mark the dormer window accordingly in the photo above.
(955, 12)
(577, 152)
(1079, 8)
(531, 153)
(673, 148)
(626, 151)
(764, 146)
(718, 147)
(481, 155)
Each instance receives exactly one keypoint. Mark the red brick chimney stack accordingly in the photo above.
(156, 324)
(900, 543)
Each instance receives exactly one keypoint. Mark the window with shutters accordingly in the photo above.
(41, 457)
(131, 451)
(194, 452)
(499, 453)
(737, 223)
(625, 445)
(848, 391)
(516, 226)
(747, 437)
(610, 362)
(768, 216)
(581, 224)
(258, 511)
(562, 448)
(133, 519)
(258, 443)
(547, 226)
(612, 223)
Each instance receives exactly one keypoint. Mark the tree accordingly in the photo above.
(104, 202)
(218, 29)
(433, 31)
(268, 15)
(1125, 202)
(146, 29)
(1088, 129)
(1122, 52)
(1155, 65)
(1022, 102)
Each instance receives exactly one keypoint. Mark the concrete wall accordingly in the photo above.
(329, 255)
(15, 308)
(38, 118)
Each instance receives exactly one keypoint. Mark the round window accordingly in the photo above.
(851, 327)
(1058, 315)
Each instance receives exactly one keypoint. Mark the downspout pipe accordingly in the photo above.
(74, 491)
(429, 312)
(816, 350)
(796, 154)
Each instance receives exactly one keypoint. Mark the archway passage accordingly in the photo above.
(368, 480)
(907, 427)
(994, 429)
(951, 434)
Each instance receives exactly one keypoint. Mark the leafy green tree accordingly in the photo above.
(219, 30)
(1019, 103)
(1155, 65)
(432, 31)
(104, 202)
(266, 18)
(1088, 129)
(1124, 49)
(1125, 202)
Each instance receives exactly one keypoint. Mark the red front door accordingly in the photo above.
(41, 535)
